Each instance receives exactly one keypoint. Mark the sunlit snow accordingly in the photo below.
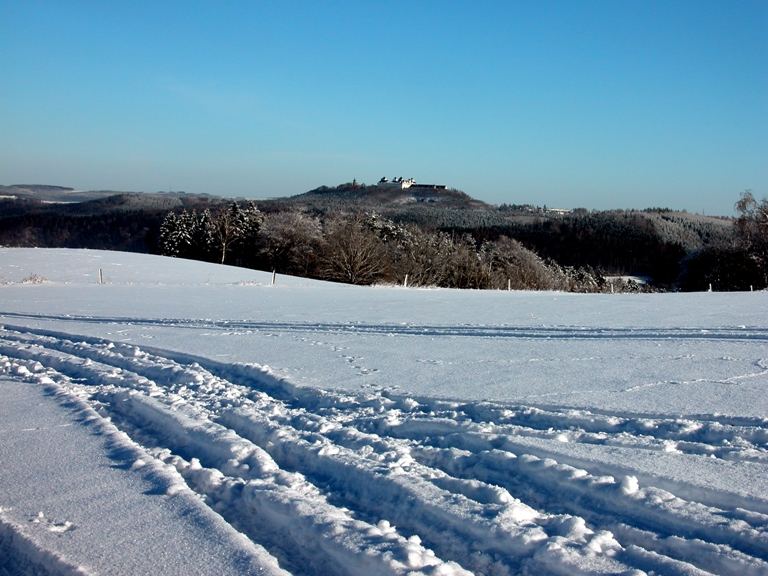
(182, 417)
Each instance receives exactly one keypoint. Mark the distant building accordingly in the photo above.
(409, 183)
(427, 187)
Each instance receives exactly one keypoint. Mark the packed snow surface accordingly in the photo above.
(187, 418)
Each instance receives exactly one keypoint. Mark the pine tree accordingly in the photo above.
(176, 234)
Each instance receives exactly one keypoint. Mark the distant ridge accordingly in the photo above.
(41, 187)
(50, 193)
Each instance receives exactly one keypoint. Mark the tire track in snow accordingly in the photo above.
(746, 440)
(745, 333)
(287, 515)
(244, 483)
(497, 545)
(429, 465)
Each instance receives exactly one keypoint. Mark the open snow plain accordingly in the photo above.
(186, 418)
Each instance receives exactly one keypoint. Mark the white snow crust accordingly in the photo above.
(188, 418)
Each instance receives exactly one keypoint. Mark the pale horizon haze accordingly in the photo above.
(596, 104)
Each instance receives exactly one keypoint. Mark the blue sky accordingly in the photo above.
(601, 104)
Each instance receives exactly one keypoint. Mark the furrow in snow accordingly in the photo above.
(252, 558)
(747, 440)
(509, 536)
(601, 500)
(494, 538)
(472, 436)
(460, 476)
(244, 484)
(548, 332)
(482, 487)
(723, 437)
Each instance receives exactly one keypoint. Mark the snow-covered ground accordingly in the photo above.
(191, 418)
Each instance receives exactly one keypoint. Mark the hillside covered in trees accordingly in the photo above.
(375, 234)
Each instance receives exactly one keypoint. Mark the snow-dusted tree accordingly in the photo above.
(202, 246)
(177, 234)
(467, 269)
(171, 235)
(353, 253)
(234, 226)
(512, 265)
(290, 241)
(426, 258)
(250, 238)
(227, 228)
(752, 229)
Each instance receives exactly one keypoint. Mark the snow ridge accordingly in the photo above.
(384, 483)
(22, 555)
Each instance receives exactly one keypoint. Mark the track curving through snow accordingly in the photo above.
(384, 483)
(743, 333)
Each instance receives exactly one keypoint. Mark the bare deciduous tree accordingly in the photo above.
(290, 241)
(353, 253)
(752, 229)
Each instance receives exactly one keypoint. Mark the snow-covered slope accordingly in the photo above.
(191, 418)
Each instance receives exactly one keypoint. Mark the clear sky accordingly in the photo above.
(600, 104)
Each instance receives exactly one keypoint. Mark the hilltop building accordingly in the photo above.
(409, 184)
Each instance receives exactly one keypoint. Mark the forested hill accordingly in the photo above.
(381, 197)
(435, 236)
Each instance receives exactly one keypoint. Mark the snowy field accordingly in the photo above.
(187, 418)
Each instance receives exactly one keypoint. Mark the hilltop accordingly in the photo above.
(385, 195)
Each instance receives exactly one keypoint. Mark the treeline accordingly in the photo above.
(583, 251)
(124, 231)
(353, 234)
(740, 265)
(620, 242)
(127, 222)
(366, 248)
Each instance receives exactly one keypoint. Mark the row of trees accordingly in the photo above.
(364, 249)
(126, 231)
(440, 245)
(617, 242)
(677, 251)
(211, 234)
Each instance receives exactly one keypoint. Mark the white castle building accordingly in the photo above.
(405, 183)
